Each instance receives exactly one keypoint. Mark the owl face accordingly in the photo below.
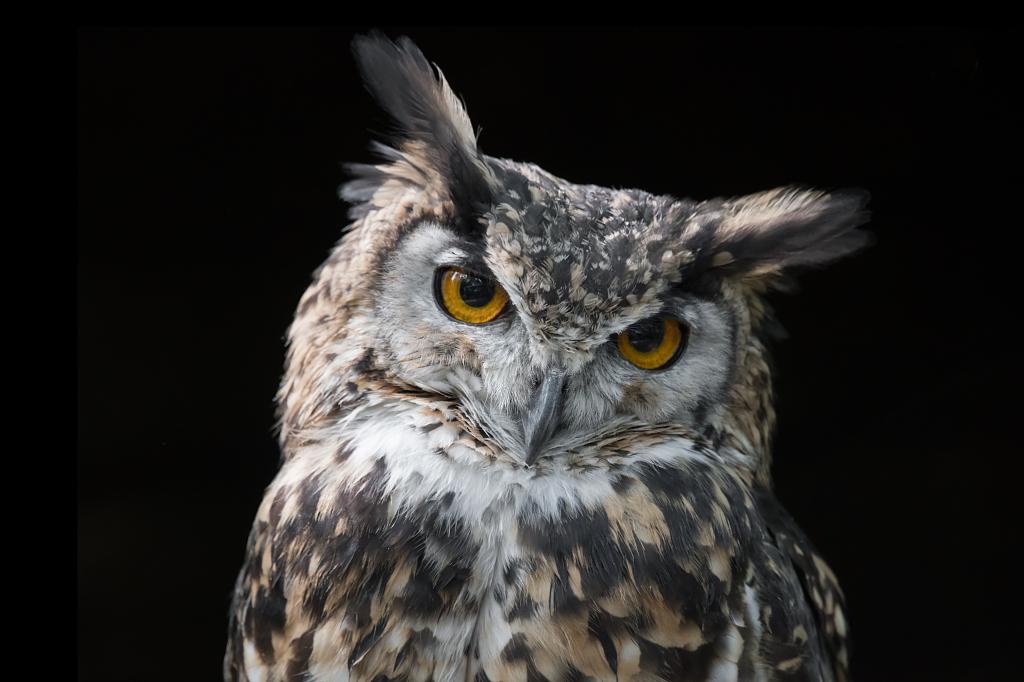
(563, 314)
(551, 314)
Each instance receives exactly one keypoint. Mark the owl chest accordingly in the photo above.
(513, 574)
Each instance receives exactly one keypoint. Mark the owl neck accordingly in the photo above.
(748, 422)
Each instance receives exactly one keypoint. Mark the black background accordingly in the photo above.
(208, 167)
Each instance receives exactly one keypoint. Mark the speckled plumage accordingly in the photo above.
(406, 537)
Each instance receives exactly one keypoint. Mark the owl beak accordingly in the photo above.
(543, 414)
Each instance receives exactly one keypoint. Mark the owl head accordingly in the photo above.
(550, 317)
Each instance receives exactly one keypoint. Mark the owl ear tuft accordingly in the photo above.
(434, 131)
(765, 234)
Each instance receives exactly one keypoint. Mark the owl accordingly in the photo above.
(526, 426)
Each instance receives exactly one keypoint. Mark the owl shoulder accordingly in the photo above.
(319, 553)
(803, 619)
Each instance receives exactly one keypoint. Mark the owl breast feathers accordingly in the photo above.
(525, 428)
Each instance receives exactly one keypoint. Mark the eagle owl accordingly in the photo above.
(525, 429)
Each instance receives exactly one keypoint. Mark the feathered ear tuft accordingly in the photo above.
(434, 131)
(764, 234)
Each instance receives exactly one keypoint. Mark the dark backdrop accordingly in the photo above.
(208, 166)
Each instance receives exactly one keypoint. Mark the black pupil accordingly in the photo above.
(476, 291)
(645, 336)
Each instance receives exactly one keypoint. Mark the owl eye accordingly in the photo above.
(467, 297)
(654, 343)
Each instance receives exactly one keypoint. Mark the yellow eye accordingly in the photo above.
(654, 343)
(467, 297)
